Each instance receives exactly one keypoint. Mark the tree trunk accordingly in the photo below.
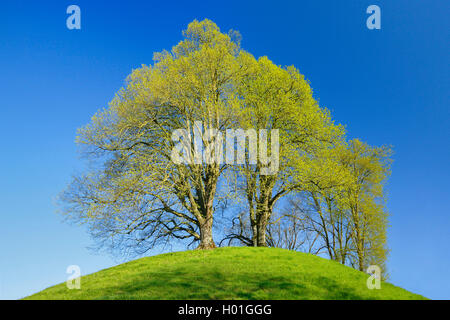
(262, 226)
(264, 207)
(206, 201)
(360, 252)
(255, 234)
(254, 225)
(206, 237)
(359, 240)
(262, 234)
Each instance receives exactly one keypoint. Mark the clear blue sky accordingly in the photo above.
(388, 86)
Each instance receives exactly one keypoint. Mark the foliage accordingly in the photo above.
(316, 192)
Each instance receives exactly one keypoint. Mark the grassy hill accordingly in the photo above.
(227, 273)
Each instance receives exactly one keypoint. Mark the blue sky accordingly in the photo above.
(388, 86)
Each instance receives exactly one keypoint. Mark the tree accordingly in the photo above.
(323, 180)
(344, 204)
(157, 169)
(277, 98)
(142, 188)
(287, 228)
(364, 197)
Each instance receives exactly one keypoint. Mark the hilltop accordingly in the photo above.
(227, 273)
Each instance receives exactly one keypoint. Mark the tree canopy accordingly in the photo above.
(208, 123)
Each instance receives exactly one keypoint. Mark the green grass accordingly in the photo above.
(227, 273)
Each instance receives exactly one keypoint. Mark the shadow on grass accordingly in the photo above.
(214, 284)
